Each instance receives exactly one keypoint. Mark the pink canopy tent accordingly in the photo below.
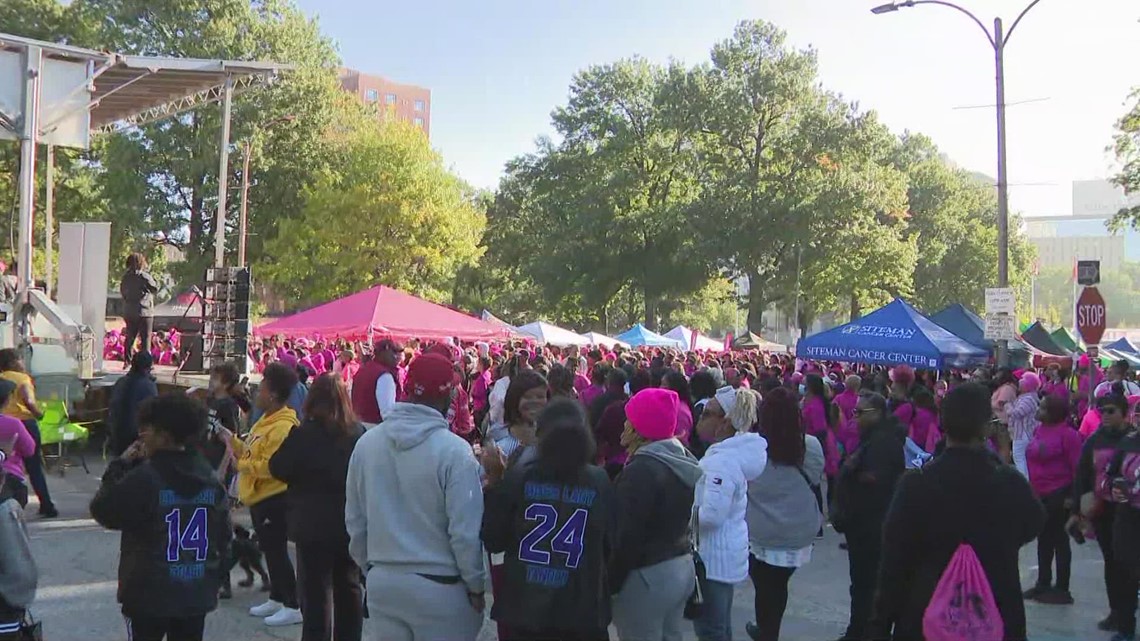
(383, 312)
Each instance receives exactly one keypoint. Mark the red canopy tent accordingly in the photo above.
(383, 312)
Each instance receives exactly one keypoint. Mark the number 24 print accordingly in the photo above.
(568, 541)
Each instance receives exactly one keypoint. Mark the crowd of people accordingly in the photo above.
(592, 487)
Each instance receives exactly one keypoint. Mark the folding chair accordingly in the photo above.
(57, 429)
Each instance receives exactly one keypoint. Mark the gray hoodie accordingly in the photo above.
(679, 460)
(414, 501)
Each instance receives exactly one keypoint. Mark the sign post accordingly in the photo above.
(1001, 319)
(1092, 319)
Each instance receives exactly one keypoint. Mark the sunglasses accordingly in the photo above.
(1110, 410)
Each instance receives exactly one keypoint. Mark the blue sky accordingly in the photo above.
(496, 68)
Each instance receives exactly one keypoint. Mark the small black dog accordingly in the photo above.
(244, 552)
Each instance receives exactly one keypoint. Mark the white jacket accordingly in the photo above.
(721, 501)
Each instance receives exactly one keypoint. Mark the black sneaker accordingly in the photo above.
(1108, 624)
(751, 630)
(1123, 636)
(49, 512)
(1055, 596)
(1032, 593)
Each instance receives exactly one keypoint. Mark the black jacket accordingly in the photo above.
(138, 290)
(1126, 516)
(867, 479)
(655, 507)
(127, 395)
(557, 539)
(314, 464)
(175, 522)
(964, 496)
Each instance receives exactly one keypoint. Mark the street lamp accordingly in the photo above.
(247, 152)
(998, 40)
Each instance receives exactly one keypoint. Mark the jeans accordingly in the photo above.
(715, 622)
(332, 599)
(1053, 542)
(771, 585)
(863, 552)
(269, 523)
(1120, 582)
(1019, 447)
(169, 628)
(34, 465)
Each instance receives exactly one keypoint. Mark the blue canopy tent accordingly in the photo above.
(892, 335)
(638, 335)
(968, 326)
(1123, 346)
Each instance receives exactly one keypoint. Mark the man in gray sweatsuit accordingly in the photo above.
(413, 510)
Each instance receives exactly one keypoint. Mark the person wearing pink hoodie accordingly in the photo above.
(16, 444)
(1052, 457)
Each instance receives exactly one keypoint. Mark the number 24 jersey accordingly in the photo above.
(556, 537)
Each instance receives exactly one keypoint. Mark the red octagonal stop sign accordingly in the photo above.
(1092, 316)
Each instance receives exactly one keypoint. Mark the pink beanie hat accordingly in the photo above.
(1030, 382)
(653, 413)
(1083, 361)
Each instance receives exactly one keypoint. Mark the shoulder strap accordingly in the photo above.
(803, 474)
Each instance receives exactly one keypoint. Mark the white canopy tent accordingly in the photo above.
(601, 339)
(685, 335)
(552, 334)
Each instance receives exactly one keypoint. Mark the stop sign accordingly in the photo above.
(1091, 316)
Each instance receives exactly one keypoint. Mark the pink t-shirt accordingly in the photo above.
(13, 430)
(1052, 457)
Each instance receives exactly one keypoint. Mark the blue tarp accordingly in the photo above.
(968, 326)
(892, 335)
(638, 335)
(1122, 345)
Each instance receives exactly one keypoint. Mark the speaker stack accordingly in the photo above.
(225, 323)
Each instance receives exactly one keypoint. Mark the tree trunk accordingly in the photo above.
(756, 305)
(856, 312)
(650, 309)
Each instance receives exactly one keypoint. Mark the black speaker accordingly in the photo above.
(191, 348)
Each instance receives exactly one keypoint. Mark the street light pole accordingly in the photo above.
(998, 40)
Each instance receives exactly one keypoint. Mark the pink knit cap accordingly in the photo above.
(1030, 382)
(1083, 361)
(653, 413)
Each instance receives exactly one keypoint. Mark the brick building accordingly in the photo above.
(411, 103)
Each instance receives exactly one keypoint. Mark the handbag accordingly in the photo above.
(695, 605)
(30, 628)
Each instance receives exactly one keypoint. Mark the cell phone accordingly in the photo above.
(1121, 484)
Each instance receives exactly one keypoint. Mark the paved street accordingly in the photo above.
(78, 561)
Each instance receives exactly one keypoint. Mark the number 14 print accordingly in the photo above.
(567, 541)
(193, 538)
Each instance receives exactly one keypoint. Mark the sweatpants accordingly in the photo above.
(269, 523)
(331, 596)
(651, 604)
(404, 606)
(11, 619)
(168, 628)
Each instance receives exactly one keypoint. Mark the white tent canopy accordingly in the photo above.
(685, 335)
(601, 339)
(552, 334)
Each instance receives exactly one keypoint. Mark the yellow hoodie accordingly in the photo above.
(255, 483)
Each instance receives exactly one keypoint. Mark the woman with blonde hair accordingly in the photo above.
(736, 457)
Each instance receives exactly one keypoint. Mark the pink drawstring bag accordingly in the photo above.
(963, 606)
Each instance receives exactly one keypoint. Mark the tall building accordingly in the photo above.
(1084, 235)
(409, 102)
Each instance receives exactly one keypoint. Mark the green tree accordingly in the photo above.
(953, 218)
(389, 213)
(1126, 145)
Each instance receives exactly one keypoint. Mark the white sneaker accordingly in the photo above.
(283, 617)
(268, 608)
